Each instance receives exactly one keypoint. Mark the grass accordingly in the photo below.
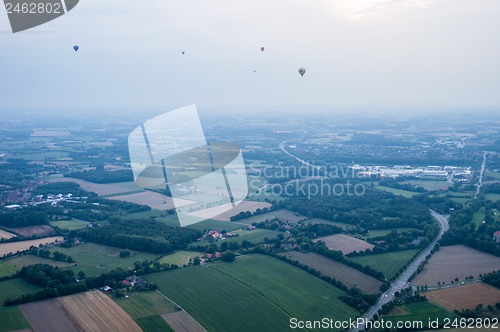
(255, 236)
(145, 304)
(493, 175)
(492, 197)
(144, 215)
(95, 259)
(14, 288)
(429, 185)
(404, 193)
(216, 225)
(6, 269)
(384, 232)
(12, 319)
(153, 324)
(252, 294)
(478, 217)
(17, 262)
(180, 257)
(420, 311)
(69, 224)
(388, 263)
(52, 155)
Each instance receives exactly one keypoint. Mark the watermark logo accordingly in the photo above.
(26, 14)
(170, 154)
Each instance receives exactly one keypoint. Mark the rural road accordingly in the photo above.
(480, 181)
(302, 161)
(402, 281)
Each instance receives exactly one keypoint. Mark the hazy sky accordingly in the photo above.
(358, 53)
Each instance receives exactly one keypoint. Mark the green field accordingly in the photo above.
(6, 269)
(180, 257)
(255, 293)
(95, 259)
(493, 175)
(388, 263)
(255, 236)
(216, 225)
(492, 197)
(17, 262)
(12, 319)
(14, 288)
(420, 311)
(69, 224)
(153, 324)
(144, 215)
(429, 185)
(394, 191)
(384, 232)
(51, 155)
(478, 217)
(145, 304)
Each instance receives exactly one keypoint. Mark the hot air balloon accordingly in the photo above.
(262, 49)
(302, 71)
(183, 52)
(76, 47)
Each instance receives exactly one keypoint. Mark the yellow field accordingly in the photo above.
(95, 311)
(5, 235)
(13, 247)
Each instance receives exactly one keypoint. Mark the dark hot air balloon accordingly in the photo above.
(183, 52)
(302, 71)
(76, 48)
(262, 49)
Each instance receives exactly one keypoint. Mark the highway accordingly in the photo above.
(480, 181)
(402, 281)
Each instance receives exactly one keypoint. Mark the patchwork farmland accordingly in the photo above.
(344, 243)
(465, 296)
(6, 235)
(388, 263)
(283, 215)
(264, 301)
(456, 261)
(341, 272)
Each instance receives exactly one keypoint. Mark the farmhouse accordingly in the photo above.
(496, 236)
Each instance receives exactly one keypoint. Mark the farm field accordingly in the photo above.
(210, 224)
(98, 188)
(47, 316)
(144, 215)
(404, 193)
(465, 296)
(182, 321)
(492, 197)
(344, 243)
(95, 259)
(153, 199)
(456, 261)
(95, 311)
(324, 221)
(6, 235)
(429, 185)
(282, 214)
(264, 302)
(14, 247)
(41, 230)
(420, 311)
(6, 269)
(255, 236)
(341, 272)
(180, 257)
(14, 288)
(69, 224)
(145, 304)
(478, 217)
(154, 324)
(384, 232)
(12, 319)
(388, 263)
(17, 262)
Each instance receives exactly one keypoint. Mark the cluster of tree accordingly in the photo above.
(463, 231)
(55, 188)
(492, 278)
(28, 216)
(102, 176)
(248, 214)
(45, 253)
(15, 171)
(141, 235)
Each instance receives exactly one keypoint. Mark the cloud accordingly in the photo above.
(357, 10)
